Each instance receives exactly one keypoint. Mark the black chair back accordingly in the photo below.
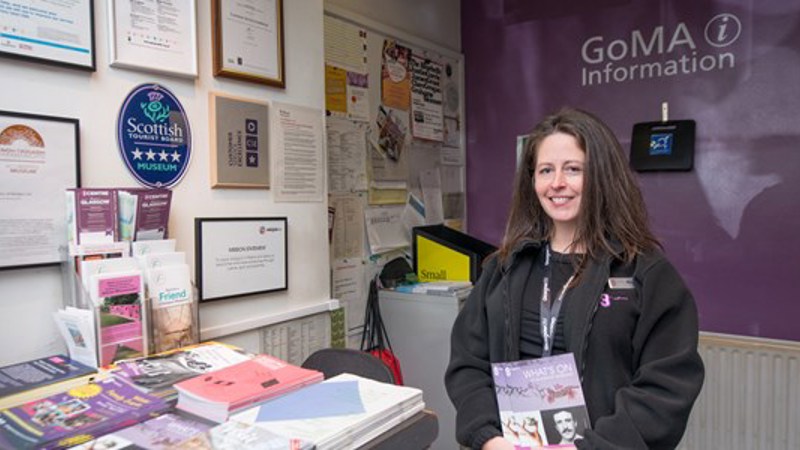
(333, 361)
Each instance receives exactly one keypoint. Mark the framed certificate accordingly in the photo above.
(55, 32)
(239, 142)
(154, 36)
(248, 40)
(240, 256)
(39, 160)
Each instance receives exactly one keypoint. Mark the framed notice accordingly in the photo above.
(240, 256)
(55, 32)
(154, 36)
(248, 40)
(239, 142)
(39, 160)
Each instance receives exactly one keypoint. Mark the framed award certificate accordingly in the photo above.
(154, 36)
(248, 40)
(38, 163)
(54, 32)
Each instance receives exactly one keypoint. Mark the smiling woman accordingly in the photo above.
(577, 239)
(558, 181)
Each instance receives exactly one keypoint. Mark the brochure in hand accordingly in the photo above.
(76, 416)
(540, 401)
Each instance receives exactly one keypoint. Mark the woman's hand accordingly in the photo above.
(497, 443)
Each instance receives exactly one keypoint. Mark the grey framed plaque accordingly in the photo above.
(239, 142)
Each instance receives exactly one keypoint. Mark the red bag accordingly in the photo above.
(375, 339)
(392, 362)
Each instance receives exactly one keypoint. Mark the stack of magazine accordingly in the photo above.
(35, 379)
(345, 411)
(157, 374)
(216, 394)
(445, 288)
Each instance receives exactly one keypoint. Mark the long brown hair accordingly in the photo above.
(612, 207)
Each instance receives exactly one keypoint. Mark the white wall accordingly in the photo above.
(438, 21)
(28, 297)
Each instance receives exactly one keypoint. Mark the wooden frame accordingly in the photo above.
(239, 129)
(41, 159)
(235, 257)
(160, 53)
(69, 19)
(256, 55)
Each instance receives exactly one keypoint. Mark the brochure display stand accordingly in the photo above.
(114, 310)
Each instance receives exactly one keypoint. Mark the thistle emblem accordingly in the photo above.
(155, 110)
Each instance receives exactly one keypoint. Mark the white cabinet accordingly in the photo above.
(419, 330)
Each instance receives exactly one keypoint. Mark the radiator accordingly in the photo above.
(751, 395)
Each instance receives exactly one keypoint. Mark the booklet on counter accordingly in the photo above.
(86, 411)
(352, 411)
(38, 378)
(164, 432)
(157, 374)
(238, 436)
(216, 394)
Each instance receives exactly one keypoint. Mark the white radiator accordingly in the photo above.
(751, 395)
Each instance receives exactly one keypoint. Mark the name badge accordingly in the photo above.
(620, 283)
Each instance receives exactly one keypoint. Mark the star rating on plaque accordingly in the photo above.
(151, 155)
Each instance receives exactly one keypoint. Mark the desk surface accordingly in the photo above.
(418, 432)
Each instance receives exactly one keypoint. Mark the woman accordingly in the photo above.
(578, 225)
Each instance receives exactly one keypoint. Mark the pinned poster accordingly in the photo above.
(395, 77)
(427, 116)
(335, 89)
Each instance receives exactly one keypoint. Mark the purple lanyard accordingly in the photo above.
(549, 310)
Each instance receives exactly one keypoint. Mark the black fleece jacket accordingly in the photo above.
(636, 350)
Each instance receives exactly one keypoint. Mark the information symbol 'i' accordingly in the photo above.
(723, 30)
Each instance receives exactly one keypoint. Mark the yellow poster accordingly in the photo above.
(335, 89)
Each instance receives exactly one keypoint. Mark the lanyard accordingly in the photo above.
(549, 310)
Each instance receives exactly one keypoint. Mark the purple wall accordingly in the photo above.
(732, 225)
